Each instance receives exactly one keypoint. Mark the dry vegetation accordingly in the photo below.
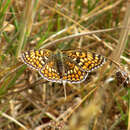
(101, 102)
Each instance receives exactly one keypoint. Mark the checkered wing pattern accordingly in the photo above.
(36, 59)
(86, 61)
(72, 73)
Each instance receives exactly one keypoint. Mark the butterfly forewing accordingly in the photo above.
(86, 61)
(36, 59)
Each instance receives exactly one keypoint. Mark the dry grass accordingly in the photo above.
(29, 102)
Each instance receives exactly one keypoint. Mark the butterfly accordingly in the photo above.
(70, 66)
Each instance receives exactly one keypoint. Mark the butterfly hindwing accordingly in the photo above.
(72, 73)
(50, 72)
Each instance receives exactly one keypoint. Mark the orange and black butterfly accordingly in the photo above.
(70, 66)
